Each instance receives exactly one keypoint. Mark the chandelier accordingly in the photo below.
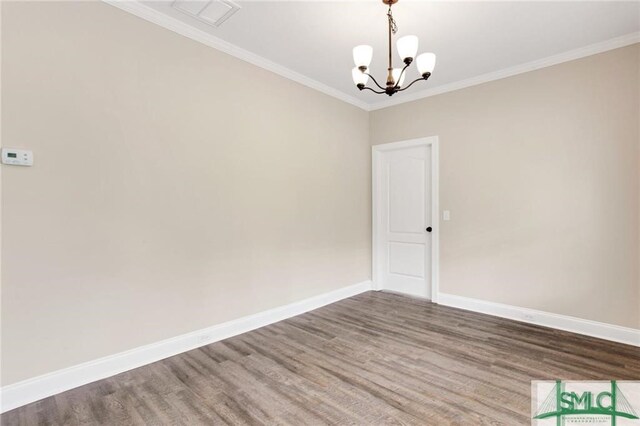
(407, 49)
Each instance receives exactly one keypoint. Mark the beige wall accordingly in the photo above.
(540, 172)
(174, 187)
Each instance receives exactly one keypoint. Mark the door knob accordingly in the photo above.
(429, 229)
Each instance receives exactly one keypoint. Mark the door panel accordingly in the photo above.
(406, 194)
(406, 259)
(404, 245)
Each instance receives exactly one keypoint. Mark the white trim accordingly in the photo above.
(571, 55)
(630, 336)
(21, 393)
(435, 212)
(152, 15)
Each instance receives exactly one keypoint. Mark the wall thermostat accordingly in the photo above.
(17, 157)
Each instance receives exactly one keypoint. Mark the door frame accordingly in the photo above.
(376, 186)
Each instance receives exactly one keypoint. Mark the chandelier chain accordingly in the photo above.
(392, 22)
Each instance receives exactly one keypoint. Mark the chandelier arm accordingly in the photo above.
(374, 91)
(374, 80)
(411, 84)
(397, 87)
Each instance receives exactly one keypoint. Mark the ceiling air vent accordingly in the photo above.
(212, 12)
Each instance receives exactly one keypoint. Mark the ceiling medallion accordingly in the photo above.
(407, 49)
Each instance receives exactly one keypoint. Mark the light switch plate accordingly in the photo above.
(446, 215)
(17, 157)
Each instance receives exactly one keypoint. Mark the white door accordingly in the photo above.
(403, 210)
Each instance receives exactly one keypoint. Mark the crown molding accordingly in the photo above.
(149, 14)
(570, 55)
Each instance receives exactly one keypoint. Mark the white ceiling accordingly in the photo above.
(470, 39)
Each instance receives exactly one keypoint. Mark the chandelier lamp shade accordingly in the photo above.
(407, 48)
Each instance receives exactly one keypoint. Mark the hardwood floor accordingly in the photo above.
(374, 359)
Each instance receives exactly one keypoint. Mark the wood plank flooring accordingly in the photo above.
(374, 359)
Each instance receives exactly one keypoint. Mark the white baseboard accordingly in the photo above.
(31, 390)
(630, 336)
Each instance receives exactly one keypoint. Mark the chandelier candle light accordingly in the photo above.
(407, 49)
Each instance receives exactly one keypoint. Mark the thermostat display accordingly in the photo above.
(17, 157)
